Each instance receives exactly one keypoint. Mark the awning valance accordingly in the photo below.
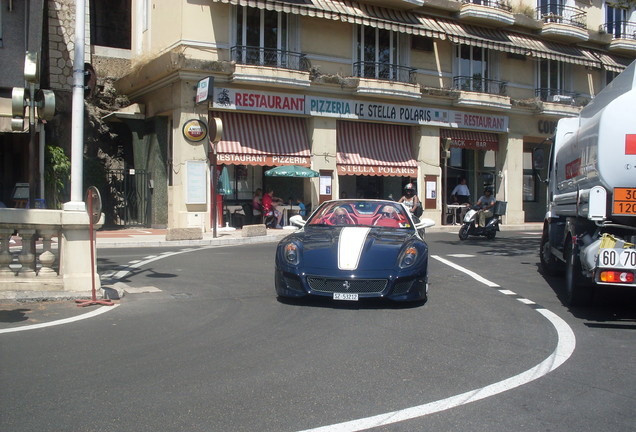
(374, 149)
(253, 139)
(471, 140)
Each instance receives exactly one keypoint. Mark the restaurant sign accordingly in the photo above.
(250, 100)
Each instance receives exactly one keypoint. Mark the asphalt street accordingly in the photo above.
(200, 343)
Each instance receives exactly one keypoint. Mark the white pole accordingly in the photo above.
(77, 124)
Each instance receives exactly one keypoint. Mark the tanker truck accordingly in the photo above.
(589, 229)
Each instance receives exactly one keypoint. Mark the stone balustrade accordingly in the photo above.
(33, 267)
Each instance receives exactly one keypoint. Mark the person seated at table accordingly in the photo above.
(257, 206)
(302, 210)
(270, 211)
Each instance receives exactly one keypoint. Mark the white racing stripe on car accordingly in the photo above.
(350, 246)
(565, 347)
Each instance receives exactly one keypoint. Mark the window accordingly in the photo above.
(110, 23)
(616, 21)
(551, 81)
(475, 69)
(529, 180)
(261, 36)
(380, 54)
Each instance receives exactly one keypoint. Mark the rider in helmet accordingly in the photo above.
(486, 202)
(410, 200)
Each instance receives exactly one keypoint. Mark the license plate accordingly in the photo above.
(617, 258)
(345, 296)
(624, 201)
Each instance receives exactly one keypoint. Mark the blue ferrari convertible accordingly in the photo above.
(354, 249)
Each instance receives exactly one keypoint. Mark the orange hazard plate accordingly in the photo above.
(624, 201)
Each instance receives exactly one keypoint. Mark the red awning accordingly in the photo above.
(471, 140)
(253, 139)
(374, 149)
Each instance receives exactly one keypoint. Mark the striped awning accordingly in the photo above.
(408, 22)
(471, 140)
(374, 149)
(352, 12)
(253, 139)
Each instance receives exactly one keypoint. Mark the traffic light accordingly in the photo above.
(40, 103)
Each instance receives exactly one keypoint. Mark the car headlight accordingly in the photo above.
(408, 257)
(291, 253)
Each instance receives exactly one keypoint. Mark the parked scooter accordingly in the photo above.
(470, 227)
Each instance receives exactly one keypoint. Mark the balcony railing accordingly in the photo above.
(556, 96)
(557, 13)
(620, 29)
(258, 56)
(481, 85)
(384, 71)
(497, 4)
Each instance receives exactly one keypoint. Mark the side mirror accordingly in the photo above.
(424, 223)
(297, 220)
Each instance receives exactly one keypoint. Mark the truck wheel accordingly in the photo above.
(549, 263)
(578, 291)
(463, 232)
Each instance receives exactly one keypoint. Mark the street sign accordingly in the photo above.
(93, 204)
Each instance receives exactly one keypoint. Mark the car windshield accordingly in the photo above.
(365, 213)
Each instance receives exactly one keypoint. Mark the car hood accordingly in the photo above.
(353, 248)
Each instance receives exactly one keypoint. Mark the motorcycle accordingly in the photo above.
(469, 225)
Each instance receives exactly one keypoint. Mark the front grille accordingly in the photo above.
(355, 286)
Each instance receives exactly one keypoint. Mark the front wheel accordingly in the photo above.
(549, 263)
(578, 291)
(463, 232)
(491, 233)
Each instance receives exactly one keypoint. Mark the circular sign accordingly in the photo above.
(93, 204)
(195, 130)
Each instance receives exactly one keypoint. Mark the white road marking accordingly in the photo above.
(468, 272)
(565, 347)
(461, 255)
(91, 314)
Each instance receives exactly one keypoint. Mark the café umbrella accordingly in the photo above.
(291, 171)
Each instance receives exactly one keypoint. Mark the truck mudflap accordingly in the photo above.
(616, 263)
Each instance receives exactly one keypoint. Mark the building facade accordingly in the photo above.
(371, 94)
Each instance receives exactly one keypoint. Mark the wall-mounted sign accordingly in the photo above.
(353, 109)
(195, 130)
(205, 89)
(196, 182)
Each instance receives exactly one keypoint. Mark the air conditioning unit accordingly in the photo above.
(561, 99)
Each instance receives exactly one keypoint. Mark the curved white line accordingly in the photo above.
(90, 314)
(565, 347)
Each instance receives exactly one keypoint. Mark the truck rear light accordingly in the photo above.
(616, 276)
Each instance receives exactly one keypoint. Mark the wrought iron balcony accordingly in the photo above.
(258, 56)
(480, 85)
(620, 29)
(384, 71)
(557, 13)
(497, 4)
(556, 96)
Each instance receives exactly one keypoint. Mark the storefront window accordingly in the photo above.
(529, 184)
